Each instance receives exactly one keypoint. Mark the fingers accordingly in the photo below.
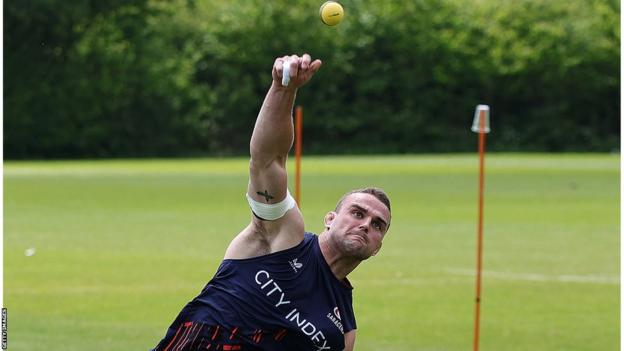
(314, 66)
(301, 67)
(294, 61)
(278, 66)
(305, 61)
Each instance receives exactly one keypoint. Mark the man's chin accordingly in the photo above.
(356, 248)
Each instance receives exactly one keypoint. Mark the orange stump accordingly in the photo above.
(481, 126)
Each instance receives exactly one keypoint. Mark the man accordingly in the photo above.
(278, 287)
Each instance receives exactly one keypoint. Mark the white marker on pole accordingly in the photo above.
(481, 121)
(286, 73)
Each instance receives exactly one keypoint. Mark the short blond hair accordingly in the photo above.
(376, 192)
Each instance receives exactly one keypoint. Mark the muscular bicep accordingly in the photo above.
(349, 340)
(268, 185)
(267, 180)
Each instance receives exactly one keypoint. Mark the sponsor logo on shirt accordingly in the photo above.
(295, 317)
(335, 318)
(295, 265)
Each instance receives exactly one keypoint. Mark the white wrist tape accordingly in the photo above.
(271, 212)
(286, 73)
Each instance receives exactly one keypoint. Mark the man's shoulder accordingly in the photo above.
(247, 245)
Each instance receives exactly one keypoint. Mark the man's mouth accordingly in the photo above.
(358, 237)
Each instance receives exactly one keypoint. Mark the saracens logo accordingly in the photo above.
(337, 312)
(295, 265)
(335, 318)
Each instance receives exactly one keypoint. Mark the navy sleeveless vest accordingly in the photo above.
(287, 300)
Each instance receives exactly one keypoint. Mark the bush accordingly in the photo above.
(171, 78)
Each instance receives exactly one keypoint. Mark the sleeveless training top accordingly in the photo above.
(288, 300)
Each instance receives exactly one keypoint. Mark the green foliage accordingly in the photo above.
(155, 77)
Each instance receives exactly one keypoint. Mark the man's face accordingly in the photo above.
(358, 228)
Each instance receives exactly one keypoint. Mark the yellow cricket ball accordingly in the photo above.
(331, 13)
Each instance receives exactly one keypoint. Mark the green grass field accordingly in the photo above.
(121, 246)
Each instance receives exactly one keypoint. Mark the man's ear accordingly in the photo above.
(376, 251)
(329, 218)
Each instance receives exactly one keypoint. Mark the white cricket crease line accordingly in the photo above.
(564, 278)
(76, 172)
(98, 289)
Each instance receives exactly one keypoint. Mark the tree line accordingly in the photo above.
(156, 78)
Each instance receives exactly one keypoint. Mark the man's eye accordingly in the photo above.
(377, 226)
(357, 214)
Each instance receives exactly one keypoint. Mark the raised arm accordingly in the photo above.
(270, 143)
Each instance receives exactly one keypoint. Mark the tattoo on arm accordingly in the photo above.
(265, 194)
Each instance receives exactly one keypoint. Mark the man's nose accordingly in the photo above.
(365, 224)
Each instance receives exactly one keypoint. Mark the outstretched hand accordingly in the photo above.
(301, 69)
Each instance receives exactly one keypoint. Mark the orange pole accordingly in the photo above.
(298, 121)
(480, 228)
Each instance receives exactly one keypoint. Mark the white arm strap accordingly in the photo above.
(271, 212)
